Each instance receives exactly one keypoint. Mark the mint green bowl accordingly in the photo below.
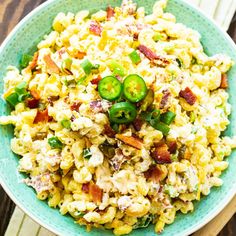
(24, 40)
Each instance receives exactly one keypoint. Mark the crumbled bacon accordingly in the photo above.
(130, 140)
(42, 116)
(95, 28)
(110, 12)
(51, 65)
(161, 155)
(164, 99)
(135, 36)
(224, 81)
(80, 55)
(95, 192)
(188, 95)
(35, 94)
(153, 173)
(52, 99)
(32, 103)
(75, 106)
(172, 146)
(32, 65)
(109, 131)
(152, 56)
(96, 80)
(96, 106)
(137, 123)
(118, 159)
(85, 187)
(61, 52)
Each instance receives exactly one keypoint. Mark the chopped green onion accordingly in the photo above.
(12, 99)
(150, 116)
(157, 36)
(79, 214)
(87, 66)
(82, 81)
(116, 68)
(143, 222)
(95, 68)
(134, 56)
(87, 153)
(168, 117)
(192, 117)
(180, 63)
(21, 91)
(66, 66)
(161, 127)
(66, 123)
(54, 142)
(26, 58)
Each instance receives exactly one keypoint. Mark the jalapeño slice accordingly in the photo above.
(135, 88)
(122, 113)
(110, 88)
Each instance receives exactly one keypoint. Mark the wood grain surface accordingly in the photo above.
(11, 12)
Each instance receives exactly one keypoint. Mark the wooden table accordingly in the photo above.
(11, 12)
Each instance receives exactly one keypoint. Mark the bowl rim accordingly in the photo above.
(47, 226)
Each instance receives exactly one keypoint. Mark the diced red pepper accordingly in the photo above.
(224, 81)
(95, 28)
(110, 12)
(161, 154)
(188, 95)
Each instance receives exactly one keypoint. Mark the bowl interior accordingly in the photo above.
(24, 40)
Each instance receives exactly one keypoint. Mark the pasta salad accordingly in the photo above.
(118, 117)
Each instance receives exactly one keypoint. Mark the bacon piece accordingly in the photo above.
(95, 28)
(118, 159)
(32, 103)
(110, 12)
(61, 52)
(172, 145)
(32, 65)
(85, 187)
(80, 55)
(95, 192)
(135, 36)
(153, 173)
(130, 140)
(109, 131)
(96, 80)
(161, 155)
(41, 116)
(152, 56)
(51, 65)
(164, 99)
(35, 94)
(75, 106)
(188, 95)
(224, 81)
(137, 123)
